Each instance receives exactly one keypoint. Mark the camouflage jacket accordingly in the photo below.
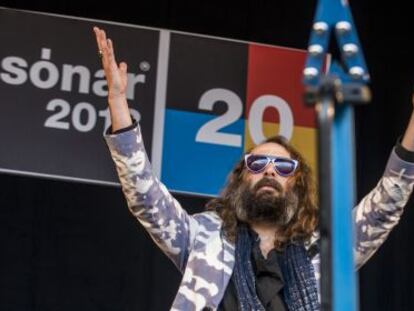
(196, 243)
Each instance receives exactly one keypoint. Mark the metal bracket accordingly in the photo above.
(352, 74)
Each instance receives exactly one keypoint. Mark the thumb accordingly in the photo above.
(123, 67)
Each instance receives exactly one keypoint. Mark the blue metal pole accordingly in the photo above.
(345, 284)
(336, 92)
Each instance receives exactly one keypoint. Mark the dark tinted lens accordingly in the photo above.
(285, 167)
(256, 163)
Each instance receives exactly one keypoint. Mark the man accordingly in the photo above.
(256, 246)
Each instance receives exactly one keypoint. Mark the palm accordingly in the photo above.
(117, 81)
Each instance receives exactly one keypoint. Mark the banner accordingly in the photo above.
(201, 101)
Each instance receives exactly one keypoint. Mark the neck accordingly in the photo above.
(267, 234)
(264, 229)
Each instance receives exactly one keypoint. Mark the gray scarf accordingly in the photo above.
(300, 291)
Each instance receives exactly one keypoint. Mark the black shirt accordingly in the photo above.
(269, 283)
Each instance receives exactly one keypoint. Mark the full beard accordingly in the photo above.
(266, 205)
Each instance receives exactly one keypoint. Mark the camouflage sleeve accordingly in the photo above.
(149, 201)
(382, 208)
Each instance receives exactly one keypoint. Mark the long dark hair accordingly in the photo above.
(305, 220)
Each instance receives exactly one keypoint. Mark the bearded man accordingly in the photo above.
(256, 246)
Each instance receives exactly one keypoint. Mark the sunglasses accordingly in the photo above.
(256, 163)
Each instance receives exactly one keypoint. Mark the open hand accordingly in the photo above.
(116, 75)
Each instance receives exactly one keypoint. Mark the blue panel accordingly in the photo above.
(344, 284)
(190, 166)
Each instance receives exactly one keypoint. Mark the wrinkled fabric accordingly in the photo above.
(244, 278)
(196, 244)
(300, 291)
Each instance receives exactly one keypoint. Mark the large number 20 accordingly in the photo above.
(209, 132)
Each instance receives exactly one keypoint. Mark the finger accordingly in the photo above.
(100, 37)
(123, 67)
(110, 53)
(102, 45)
(96, 30)
(103, 48)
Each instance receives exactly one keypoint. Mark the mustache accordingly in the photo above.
(268, 182)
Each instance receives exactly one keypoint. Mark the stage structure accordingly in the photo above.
(334, 95)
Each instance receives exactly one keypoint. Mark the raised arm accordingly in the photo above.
(116, 76)
(148, 199)
(382, 208)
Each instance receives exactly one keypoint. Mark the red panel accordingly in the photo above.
(278, 71)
